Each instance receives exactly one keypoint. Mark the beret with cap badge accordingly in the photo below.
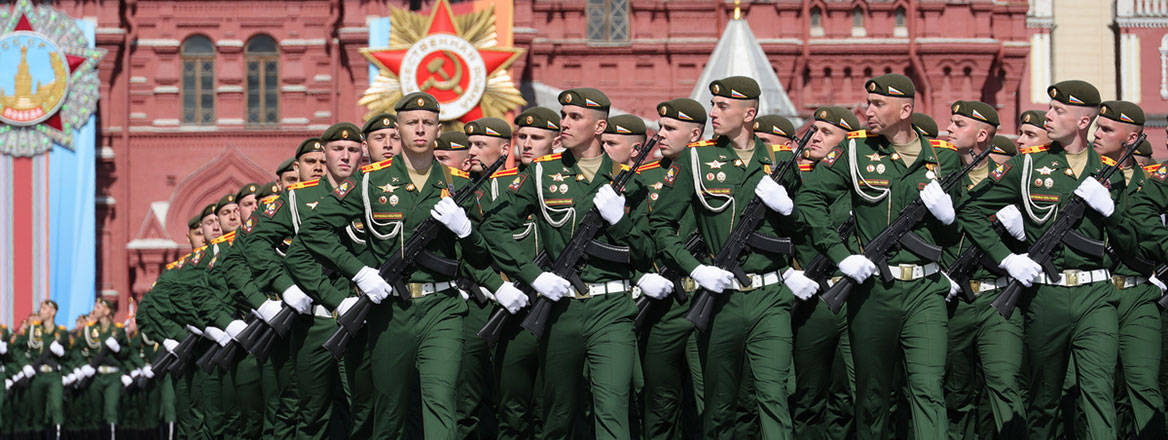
(342, 131)
(736, 87)
(493, 127)
(310, 145)
(194, 221)
(1074, 92)
(891, 84)
(925, 124)
(285, 166)
(224, 201)
(626, 125)
(774, 124)
(682, 109)
(976, 110)
(585, 97)
(246, 190)
(539, 117)
(1033, 117)
(379, 121)
(1003, 145)
(416, 101)
(838, 116)
(452, 141)
(1122, 111)
(207, 210)
(267, 190)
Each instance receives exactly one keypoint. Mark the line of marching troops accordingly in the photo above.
(858, 281)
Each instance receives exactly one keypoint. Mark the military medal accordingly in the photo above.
(871, 168)
(1038, 182)
(709, 176)
(721, 176)
(382, 200)
(564, 188)
(1049, 182)
(393, 200)
(880, 168)
(553, 188)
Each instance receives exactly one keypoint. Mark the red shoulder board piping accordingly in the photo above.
(649, 166)
(548, 157)
(459, 173)
(1036, 149)
(304, 184)
(857, 134)
(377, 166)
(806, 167)
(1107, 160)
(704, 143)
(776, 148)
(937, 143)
(506, 172)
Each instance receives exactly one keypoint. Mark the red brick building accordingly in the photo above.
(202, 96)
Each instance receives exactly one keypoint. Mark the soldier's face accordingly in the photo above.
(47, 312)
(228, 217)
(288, 178)
(620, 147)
(533, 142)
(676, 135)
(579, 126)
(885, 112)
(309, 166)
(730, 115)
(383, 144)
(195, 236)
(1110, 136)
(1031, 136)
(418, 130)
(247, 205)
(773, 139)
(823, 139)
(1063, 121)
(342, 158)
(966, 132)
(484, 151)
(210, 225)
(453, 159)
(100, 310)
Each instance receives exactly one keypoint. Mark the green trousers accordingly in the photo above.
(664, 346)
(593, 335)
(279, 392)
(821, 405)
(899, 322)
(474, 376)
(317, 377)
(518, 376)
(420, 338)
(1139, 403)
(108, 388)
(362, 397)
(750, 332)
(1077, 323)
(45, 394)
(248, 420)
(984, 368)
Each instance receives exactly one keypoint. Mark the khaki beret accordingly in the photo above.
(625, 124)
(416, 101)
(925, 124)
(207, 210)
(1122, 111)
(452, 141)
(1074, 92)
(378, 122)
(246, 190)
(891, 84)
(838, 116)
(539, 117)
(1003, 145)
(493, 127)
(976, 110)
(310, 145)
(1033, 117)
(774, 124)
(342, 131)
(285, 166)
(682, 109)
(585, 97)
(736, 87)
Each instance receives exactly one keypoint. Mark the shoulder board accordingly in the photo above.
(377, 166)
(548, 157)
(60, 327)
(777, 148)
(704, 143)
(305, 184)
(199, 249)
(119, 325)
(937, 143)
(649, 166)
(171, 265)
(459, 173)
(624, 167)
(270, 199)
(506, 172)
(1151, 168)
(224, 238)
(1107, 160)
(857, 134)
(1037, 149)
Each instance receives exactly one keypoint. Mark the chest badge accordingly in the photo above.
(1069, 172)
(564, 188)
(388, 188)
(715, 164)
(558, 177)
(875, 157)
(312, 205)
(393, 200)
(1045, 171)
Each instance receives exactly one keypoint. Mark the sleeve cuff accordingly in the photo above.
(837, 252)
(529, 272)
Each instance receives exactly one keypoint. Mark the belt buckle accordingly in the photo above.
(582, 295)
(688, 284)
(1071, 278)
(415, 290)
(749, 287)
(1120, 281)
(975, 287)
(906, 272)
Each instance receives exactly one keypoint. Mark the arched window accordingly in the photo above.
(198, 80)
(858, 22)
(816, 21)
(901, 29)
(263, 80)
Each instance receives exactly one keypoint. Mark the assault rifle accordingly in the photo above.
(962, 269)
(1043, 249)
(820, 268)
(898, 234)
(396, 269)
(499, 319)
(696, 247)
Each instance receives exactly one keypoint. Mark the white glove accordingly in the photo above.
(953, 288)
(453, 216)
(800, 285)
(464, 294)
(610, 204)
(1021, 268)
(857, 267)
(194, 330)
(1096, 196)
(68, 379)
(370, 282)
(170, 345)
(268, 310)
(217, 335)
(774, 196)
(148, 371)
(714, 279)
(938, 202)
(297, 300)
(135, 373)
(551, 286)
(511, 298)
(655, 286)
(18, 376)
(235, 328)
(113, 344)
(28, 371)
(1156, 282)
(1011, 219)
(57, 349)
(3, 347)
(126, 380)
(7, 384)
(345, 305)
(88, 371)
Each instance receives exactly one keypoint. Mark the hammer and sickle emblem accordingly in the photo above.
(447, 82)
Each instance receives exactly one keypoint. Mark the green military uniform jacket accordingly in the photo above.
(866, 167)
(840, 212)
(1131, 264)
(651, 179)
(711, 185)
(33, 341)
(1146, 206)
(90, 343)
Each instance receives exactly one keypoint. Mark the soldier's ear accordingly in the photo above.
(601, 124)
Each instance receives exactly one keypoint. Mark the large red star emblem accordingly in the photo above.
(445, 65)
(72, 62)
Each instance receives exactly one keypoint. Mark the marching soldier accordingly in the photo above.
(1004, 149)
(1031, 130)
(882, 170)
(590, 329)
(451, 149)
(985, 348)
(824, 371)
(668, 348)
(1071, 317)
(774, 130)
(101, 345)
(286, 175)
(621, 137)
(39, 349)
(420, 330)
(381, 138)
(925, 125)
(536, 130)
(715, 179)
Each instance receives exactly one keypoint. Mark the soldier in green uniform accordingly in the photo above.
(417, 334)
(587, 330)
(5, 417)
(381, 138)
(985, 349)
(925, 125)
(286, 174)
(1031, 130)
(1071, 317)
(451, 149)
(516, 352)
(1140, 405)
(39, 349)
(670, 399)
(882, 170)
(774, 130)
(824, 372)
(750, 330)
(621, 137)
(101, 344)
